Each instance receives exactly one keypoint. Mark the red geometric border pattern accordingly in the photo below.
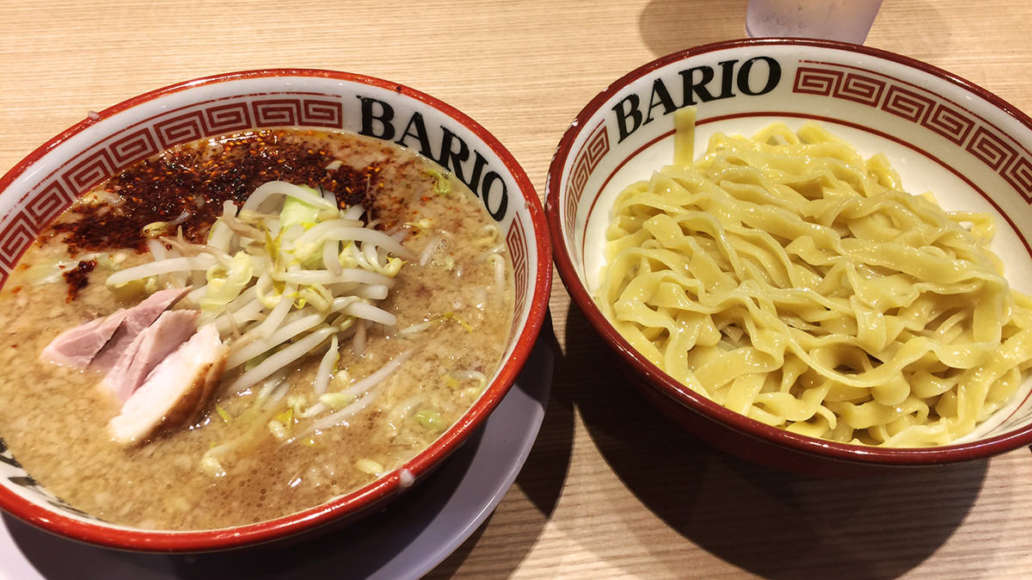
(991, 149)
(594, 149)
(309, 112)
(133, 147)
(57, 191)
(276, 112)
(15, 237)
(983, 140)
(907, 104)
(181, 128)
(322, 113)
(516, 242)
(1019, 174)
(227, 118)
(860, 88)
(97, 166)
(950, 123)
(816, 81)
(49, 203)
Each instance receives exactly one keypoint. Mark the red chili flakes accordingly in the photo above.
(191, 183)
(78, 278)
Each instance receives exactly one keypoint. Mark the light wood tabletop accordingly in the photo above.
(611, 489)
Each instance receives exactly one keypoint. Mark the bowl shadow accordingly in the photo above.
(771, 523)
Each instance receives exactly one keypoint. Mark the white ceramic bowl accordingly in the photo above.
(46, 182)
(942, 133)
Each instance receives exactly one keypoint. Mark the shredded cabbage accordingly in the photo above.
(298, 212)
(275, 188)
(225, 284)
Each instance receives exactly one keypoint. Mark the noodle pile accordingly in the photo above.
(788, 279)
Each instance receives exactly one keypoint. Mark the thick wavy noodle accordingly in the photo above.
(789, 279)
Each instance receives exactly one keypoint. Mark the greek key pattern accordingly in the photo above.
(55, 192)
(197, 123)
(309, 112)
(49, 203)
(136, 145)
(843, 85)
(905, 103)
(15, 237)
(516, 242)
(976, 136)
(991, 149)
(591, 153)
(949, 123)
(90, 170)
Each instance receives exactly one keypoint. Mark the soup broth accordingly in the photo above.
(453, 303)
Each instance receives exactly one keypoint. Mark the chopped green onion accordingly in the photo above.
(341, 378)
(157, 229)
(279, 431)
(281, 424)
(368, 466)
(315, 294)
(297, 403)
(460, 321)
(286, 416)
(223, 414)
(430, 419)
(392, 267)
(211, 466)
(442, 185)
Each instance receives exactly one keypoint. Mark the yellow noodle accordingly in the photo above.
(791, 280)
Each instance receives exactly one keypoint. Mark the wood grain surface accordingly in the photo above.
(611, 489)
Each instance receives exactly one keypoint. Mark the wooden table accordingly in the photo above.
(610, 489)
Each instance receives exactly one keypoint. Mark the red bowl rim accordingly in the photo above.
(681, 394)
(362, 498)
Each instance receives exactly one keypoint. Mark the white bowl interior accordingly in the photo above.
(116, 140)
(940, 136)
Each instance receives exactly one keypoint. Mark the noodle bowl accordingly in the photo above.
(626, 134)
(202, 272)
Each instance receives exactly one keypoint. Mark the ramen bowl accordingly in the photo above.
(941, 133)
(46, 182)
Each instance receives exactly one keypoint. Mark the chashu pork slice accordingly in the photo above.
(174, 391)
(149, 348)
(77, 346)
(136, 320)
